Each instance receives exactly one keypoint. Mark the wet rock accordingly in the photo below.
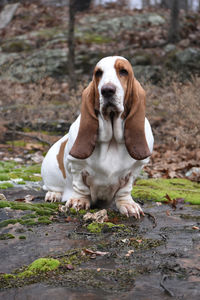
(187, 60)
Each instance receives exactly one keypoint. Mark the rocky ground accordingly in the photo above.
(121, 257)
(49, 252)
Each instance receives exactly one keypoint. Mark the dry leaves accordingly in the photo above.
(99, 217)
(92, 253)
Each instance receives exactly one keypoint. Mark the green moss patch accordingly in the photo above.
(95, 227)
(6, 185)
(9, 171)
(42, 212)
(156, 189)
(6, 236)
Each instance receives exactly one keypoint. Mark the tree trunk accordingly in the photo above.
(71, 45)
(173, 34)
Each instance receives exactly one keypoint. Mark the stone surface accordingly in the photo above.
(7, 14)
(156, 254)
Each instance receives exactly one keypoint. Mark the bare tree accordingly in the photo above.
(173, 34)
(74, 7)
(71, 45)
(145, 3)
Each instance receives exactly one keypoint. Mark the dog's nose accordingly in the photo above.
(108, 90)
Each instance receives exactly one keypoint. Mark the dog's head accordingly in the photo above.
(113, 92)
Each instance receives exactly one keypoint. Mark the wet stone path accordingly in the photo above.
(156, 257)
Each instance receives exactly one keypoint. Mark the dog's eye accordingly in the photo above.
(98, 73)
(123, 72)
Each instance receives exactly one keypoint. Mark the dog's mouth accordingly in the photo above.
(110, 112)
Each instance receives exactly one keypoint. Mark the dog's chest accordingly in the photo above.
(108, 170)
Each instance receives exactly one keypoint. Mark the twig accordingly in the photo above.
(167, 291)
(31, 137)
(150, 216)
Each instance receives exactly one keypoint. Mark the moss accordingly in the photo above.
(156, 189)
(22, 237)
(28, 222)
(95, 227)
(6, 236)
(29, 216)
(6, 185)
(21, 182)
(18, 143)
(4, 177)
(44, 220)
(4, 203)
(145, 244)
(10, 170)
(82, 212)
(91, 38)
(72, 211)
(7, 222)
(41, 215)
(8, 276)
(40, 265)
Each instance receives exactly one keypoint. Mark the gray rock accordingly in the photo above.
(148, 73)
(169, 48)
(189, 58)
(101, 25)
(7, 14)
(185, 62)
(34, 66)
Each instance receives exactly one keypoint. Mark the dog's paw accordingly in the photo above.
(53, 197)
(78, 203)
(129, 208)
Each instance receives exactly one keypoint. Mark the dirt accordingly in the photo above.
(155, 257)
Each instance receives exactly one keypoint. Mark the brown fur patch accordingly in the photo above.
(88, 131)
(60, 158)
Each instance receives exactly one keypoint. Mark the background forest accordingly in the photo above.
(47, 53)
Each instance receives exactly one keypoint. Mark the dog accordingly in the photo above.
(106, 147)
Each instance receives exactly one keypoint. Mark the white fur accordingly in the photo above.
(109, 172)
(109, 76)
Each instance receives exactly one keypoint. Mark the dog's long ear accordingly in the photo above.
(134, 132)
(87, 135)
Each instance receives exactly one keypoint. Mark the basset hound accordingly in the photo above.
(107, 145)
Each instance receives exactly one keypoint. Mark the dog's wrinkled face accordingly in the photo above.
(111, 76)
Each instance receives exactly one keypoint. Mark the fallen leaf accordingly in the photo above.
(70, 267)
(3, 197)
(129, 253)
(26, 199)
(99, 217)
(139, 241)
(195, 227)
(88, 251)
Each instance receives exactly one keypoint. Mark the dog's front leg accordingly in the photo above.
(124, 202)
(80, 197)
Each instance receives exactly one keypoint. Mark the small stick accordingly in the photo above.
(150, 216)
(168, 292)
